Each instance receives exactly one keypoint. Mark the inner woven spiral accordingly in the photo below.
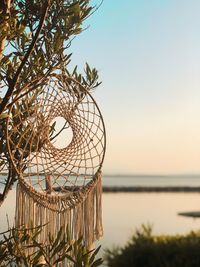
(32, 138)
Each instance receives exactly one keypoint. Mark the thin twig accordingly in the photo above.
(63, 128)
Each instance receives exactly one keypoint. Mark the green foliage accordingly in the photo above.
(64, 20)
(34, 40)
(146, 250)
(90, 78)
(20, 247)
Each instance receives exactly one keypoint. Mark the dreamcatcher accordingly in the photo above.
(59, 183)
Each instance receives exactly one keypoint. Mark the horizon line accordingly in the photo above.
(149, 174)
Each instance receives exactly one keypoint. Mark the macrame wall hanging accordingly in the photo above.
(58, 166)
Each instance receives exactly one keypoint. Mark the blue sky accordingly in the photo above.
(148, 56)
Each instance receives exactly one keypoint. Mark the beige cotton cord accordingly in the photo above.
(58, 183)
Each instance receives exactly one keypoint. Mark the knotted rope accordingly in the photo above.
(59, 181)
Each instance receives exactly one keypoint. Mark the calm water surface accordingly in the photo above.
(123, 212)
(151, 181)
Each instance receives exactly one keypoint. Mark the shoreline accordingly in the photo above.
(151, 189)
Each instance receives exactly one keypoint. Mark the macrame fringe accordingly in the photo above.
(83, 220)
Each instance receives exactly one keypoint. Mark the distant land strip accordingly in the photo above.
(149, 189)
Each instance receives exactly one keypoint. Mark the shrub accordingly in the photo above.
(146, 250)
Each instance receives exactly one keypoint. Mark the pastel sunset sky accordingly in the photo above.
(148, 56)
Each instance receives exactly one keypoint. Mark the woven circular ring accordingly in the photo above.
(56, 138)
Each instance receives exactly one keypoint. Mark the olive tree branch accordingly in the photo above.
(7, 13)
(13, 81)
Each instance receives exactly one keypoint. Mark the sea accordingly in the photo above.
(123, 213)
(151, 180)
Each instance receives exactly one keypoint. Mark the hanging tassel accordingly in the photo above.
(99, 224)
(82, 219)
(78, 221)
(89, 219)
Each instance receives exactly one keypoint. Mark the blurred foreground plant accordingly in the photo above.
(19, 247)
(146, 250)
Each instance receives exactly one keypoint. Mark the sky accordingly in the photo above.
(148, 56)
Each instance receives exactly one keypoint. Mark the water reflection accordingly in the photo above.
(122, 212)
